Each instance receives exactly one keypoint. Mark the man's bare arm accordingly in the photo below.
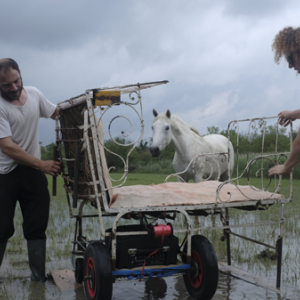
(55, 114)
(12, 150)
(287, 115)
(291, 162)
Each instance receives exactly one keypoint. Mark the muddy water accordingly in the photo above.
(15, 271)
(168, 288)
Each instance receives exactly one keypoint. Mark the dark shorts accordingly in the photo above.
(30, 187)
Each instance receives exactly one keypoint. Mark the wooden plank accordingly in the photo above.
(65, 280)
(243, 275)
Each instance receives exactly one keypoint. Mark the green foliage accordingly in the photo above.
(253, 144)
(47, 151)
(141, 161)
(213, 130)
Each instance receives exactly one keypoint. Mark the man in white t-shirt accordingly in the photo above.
(22, 171)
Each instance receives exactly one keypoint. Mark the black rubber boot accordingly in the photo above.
(2, 251)
(37, 257)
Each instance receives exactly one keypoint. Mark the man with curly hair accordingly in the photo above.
(287, 45)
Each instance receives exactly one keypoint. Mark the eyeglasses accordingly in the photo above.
(8, 85)
(290, 59)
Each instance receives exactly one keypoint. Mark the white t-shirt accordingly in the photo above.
(21, 123)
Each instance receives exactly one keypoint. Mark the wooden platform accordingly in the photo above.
(243, 275)
(65, 280)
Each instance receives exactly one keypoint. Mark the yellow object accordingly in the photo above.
(103, 98)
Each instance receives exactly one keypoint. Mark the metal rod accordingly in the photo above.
(75, 235)
(228, 239)
(88, 147)
(279, 261)
(98, 168)
(76, 176)
(55, 158)
(94, 216)
(80, 226)
(251, 240)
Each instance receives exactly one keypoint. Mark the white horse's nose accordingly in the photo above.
(154, 151)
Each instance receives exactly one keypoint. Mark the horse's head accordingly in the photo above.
(162, 132)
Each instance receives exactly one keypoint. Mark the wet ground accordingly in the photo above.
(15, 270)
(168, 288)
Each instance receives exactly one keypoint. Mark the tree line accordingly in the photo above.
(141, 160)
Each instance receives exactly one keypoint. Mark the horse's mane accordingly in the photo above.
(179, 120)
(196, 131)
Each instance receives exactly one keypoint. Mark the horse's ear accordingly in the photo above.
(155, 114)
(168, 113)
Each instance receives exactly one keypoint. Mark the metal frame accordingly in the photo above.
(220, 206)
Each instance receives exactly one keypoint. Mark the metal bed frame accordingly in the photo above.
(100, 198)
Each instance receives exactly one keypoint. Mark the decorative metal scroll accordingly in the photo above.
(132, 144)
(272, 158)
(212, 160)
(134, 103)
(247, 172)
(77, 127)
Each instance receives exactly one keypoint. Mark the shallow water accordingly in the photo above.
(168, 288)
(15, 271)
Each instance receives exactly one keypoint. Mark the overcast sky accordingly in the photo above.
(216, 54)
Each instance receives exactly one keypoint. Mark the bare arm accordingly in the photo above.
(287, 115)
(12, 150)
(55, 114)
(291, 162)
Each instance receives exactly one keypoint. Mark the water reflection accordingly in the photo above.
(168, 288)
(155, 288)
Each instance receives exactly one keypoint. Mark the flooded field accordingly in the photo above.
(15, 272)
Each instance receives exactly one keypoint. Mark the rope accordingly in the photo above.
(162, 241)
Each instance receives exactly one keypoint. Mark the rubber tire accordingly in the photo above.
(79, 270)
(97, 263)
(205, 285)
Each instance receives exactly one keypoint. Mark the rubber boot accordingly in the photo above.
(2, 251)
(37, 257)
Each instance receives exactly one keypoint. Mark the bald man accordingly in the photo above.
(22, 172)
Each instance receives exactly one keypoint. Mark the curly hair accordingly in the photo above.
(287, 42)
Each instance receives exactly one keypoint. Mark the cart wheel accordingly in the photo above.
(79, 270)
(202, 281)
(97, 273)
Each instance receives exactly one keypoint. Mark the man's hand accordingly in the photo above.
(279, 170)
(285, 117)
(50, 167)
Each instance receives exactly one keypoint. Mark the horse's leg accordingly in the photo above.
(198, 178)
(183, 178)
(180, 179)
(224, 176)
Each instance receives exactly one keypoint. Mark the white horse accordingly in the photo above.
(188, 143)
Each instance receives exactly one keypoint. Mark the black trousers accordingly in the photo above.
(30, 187)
